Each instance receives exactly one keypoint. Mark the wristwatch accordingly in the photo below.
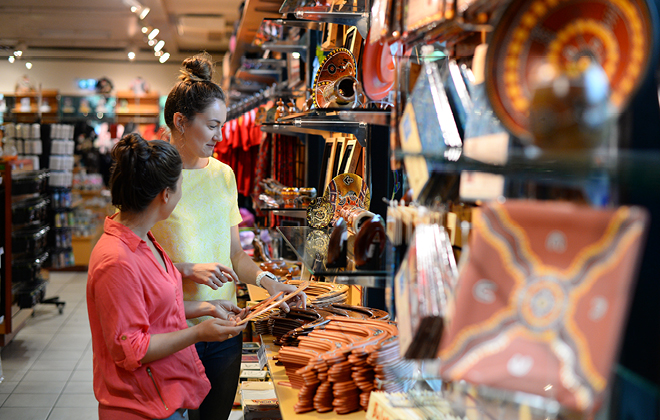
(265, 274)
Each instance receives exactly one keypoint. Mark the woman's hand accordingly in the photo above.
(274, 287)
(217, 330)
(227, 310)
(213, 275)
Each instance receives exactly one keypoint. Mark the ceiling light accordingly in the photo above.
(134, 9)
(159, 46)
(158, 53)
(28, 65)
(144, 12)
(151, 42)
(153, 33)
(11, 59)
(163, 58)
(18, 53)
(145, 29)
(131, 55)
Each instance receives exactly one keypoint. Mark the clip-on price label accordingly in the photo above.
(263, 358)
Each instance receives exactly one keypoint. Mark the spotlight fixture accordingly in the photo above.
(145, 29)
(11, 59)
(159, 46)
(143, 14)
(153, 33)
(158, 53)
(134, 9)
(151, 42)
(163, 58)
(28, 65)
(131, 55)
(18, 53)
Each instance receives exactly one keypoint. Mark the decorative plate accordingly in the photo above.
(616, 33)
(344, 190)
(317, 242)
(338, 65)
(319, 213)
(378, 70)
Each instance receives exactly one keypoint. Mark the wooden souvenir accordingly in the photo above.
(330, 143)
(347, 155)
(335, 82)
(336, 158)
(353, 41)
(567, 35)
(542, 299)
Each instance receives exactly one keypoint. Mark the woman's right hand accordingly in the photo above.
(216, 329)
(213, 275)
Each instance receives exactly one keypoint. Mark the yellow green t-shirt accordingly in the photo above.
(199, 228)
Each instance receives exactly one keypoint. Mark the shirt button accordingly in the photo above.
(123, 337)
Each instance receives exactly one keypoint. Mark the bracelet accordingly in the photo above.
(263, 274)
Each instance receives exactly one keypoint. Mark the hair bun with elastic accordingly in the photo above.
(198, 68)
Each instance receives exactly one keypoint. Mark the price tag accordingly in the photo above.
(481, 186)
(492, 148)
(263, 357)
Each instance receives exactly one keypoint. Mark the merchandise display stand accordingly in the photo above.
(287, 396)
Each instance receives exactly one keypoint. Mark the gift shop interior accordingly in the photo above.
(466, 191)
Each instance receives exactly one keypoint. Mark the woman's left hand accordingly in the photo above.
(225, 309)
(298, 301)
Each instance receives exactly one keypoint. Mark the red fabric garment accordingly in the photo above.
(239, 150)
(129, 298)
(263, 167)
(257, 136)
(246, 131)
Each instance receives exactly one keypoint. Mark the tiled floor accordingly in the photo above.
(48, 366)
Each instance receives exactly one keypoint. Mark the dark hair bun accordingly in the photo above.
(141, 170)
(198, 68)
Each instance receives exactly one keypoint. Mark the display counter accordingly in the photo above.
(288, 397)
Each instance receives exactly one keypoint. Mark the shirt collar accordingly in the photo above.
(114, 228)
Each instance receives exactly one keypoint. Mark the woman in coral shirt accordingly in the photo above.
(145, 364)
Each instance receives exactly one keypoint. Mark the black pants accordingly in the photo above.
(222, 362)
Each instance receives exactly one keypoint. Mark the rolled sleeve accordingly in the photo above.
(131, 348)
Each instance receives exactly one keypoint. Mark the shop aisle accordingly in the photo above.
(48, 366)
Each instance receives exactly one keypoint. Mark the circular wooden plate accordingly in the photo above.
(616, 33)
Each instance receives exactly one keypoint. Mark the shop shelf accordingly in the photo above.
(534, 164)
(285, 47)
(280, 209)
(313, 256)
(254, 12)
(354, 13)
(30, 241)
(321, 122)
(298, 23)
(29, 182)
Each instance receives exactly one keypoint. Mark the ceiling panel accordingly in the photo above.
(67, 27)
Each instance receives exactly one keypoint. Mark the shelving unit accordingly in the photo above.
(36, 112)
(311, 247)
(13, 317)
(356, 15)
(141, 108)
(254, 12)
(280, 210)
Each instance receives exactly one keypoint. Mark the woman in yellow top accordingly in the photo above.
(201, 235)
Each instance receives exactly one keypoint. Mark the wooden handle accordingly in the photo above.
(300, 288)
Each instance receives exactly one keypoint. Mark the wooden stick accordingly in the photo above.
(266, 301)
(300, 288)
